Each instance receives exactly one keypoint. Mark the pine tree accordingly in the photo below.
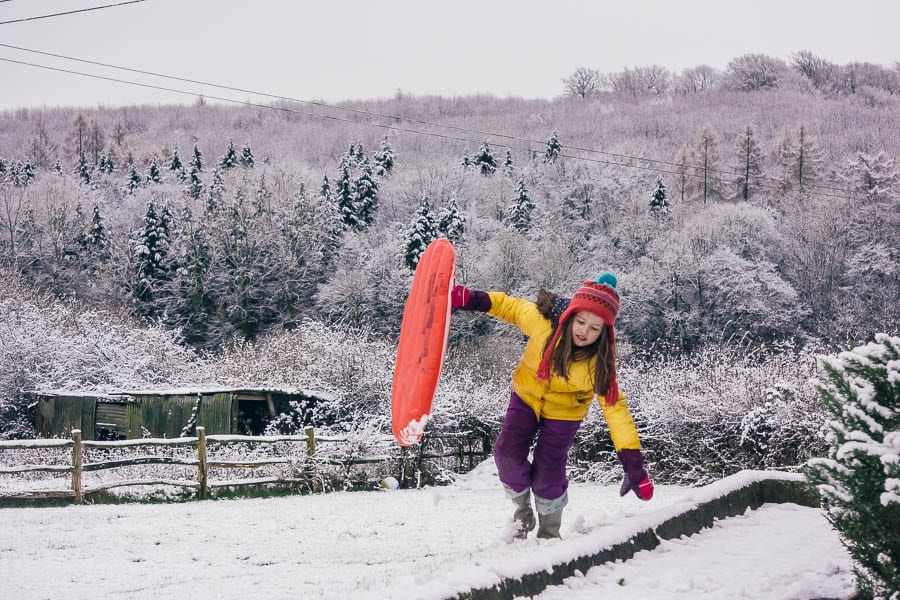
(749, 164)
(484, 160)
(197, 160)
(195, 185)
(876, 177)
(366, 193)
(508, 166)
(325, 189)
(106, 165)
(151, 253)
(421, 232)
(230, 159)
(83, 169)
(247, 157)
(552, 150)
(659, 199)
(153, 175)
(859, 482)
(466, 161)
(451, 224)
(97, 239)
(134, 180)
(215, 192)
(346, 198)
(519, 213)
(384, 159)
(57, 168)
(175, 161)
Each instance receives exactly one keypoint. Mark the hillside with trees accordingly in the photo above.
(748, 213)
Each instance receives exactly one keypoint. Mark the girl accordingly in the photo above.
(567, 362)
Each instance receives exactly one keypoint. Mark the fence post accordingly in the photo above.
(201, 462)
(76, 466)
(310, 441)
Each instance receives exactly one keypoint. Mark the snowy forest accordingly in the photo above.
(751, 215)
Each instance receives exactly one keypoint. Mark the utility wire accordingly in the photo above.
(676, 165)
(70, 12)
(380, 125)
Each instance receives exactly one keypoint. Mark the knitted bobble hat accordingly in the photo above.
(600, 298)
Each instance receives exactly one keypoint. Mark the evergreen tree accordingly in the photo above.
(134, 180)
(215, 192)
(151, 252)
(466, 161)
(451, 224)
(519, 213)
(57, 168)
(508, 166)
(106, 165)
(197, 161)
(346, 198)
(384, 159)
(749, 164)
(153, 175)
(195, 185)
(553, 149)
(175, 161)
(262, 197)
(193, 306)
(325, 189)
(876, 177)
(366, 193)
(247, 157)
(484, 160)
(28, 170)
(421, 232)
(97, 238)
(83, 169)
(659, 199)
(230, 159)
(859, 481)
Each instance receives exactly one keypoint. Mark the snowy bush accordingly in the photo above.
(859, 481)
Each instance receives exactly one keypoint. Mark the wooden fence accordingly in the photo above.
(405, 462)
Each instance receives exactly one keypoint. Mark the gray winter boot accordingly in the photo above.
(550, 515)
(524, 515)
(548, 527)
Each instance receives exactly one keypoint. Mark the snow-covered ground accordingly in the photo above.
(406, 544)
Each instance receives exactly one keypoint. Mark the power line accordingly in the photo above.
(680, 166)
(70, 12)
(380, 125)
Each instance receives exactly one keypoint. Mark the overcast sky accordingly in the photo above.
(345, 49)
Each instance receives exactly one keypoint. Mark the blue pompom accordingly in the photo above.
(608, 279)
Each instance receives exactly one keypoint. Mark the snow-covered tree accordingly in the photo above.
(466, 161)
(197, 160)
(859, 482)
(659, 199)
(451, 223)
(106, 166)
(552, 149)
(876, 176)
(134, 180)
(422, 231)
(519, 212)
(195, 186)
(247, 156)
(83, 169)
(748, 164)
(752, 72)
(366, 192)
(175, 163)
(345, 195)
(151, 253)
(484, 160)
(384, 159)
(57, 168)
(800, 162)
(582, 83)
(230, 158)
(216, 191)
(153, 175)
(508, 165)
(97, 238)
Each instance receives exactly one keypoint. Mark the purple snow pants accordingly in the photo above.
(546, 475)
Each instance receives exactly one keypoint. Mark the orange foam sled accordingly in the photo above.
(423, 342)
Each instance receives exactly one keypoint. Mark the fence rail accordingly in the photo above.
(77, 490)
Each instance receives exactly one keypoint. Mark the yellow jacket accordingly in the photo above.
(561, 399)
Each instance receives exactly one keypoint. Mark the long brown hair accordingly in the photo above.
(566, 352)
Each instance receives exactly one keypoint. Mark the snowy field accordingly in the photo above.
(406, 544)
